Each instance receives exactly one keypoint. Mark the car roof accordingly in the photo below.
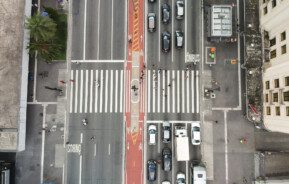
(197, 135)
(153, 127)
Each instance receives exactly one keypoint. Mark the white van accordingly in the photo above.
(199, 175)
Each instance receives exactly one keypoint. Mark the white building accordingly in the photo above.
(274, 16)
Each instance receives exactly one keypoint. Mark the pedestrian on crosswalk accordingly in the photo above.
(71, 80)
(169, 85)
(62, 81)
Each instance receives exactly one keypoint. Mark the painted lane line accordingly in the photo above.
(81, 138)
(121, 91)
(96, 91)
(183, 91)
(159, 91)
(106, 91)
(91, 93)
(108, 149)
(98, 61)
(71, 91)
(84, 31)
(86, 91)
(81, 91)
(101, 91)
(98, 17)
(159, 27)
(154, 91)
(111, 90)
(111, 32)
(164, 92)
(94, 150)
(226, 146)
(197, 91)
(169, 90)
(80, 169)
(179, 90)
(193, 90)
(174, 92)
(116, 91)
(76, 91)
(186, 25)
(149, 91)
(188, 95)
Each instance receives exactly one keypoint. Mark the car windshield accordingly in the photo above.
(196, 129)
(166, 42)
(152, 131)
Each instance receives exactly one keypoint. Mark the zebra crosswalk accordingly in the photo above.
(96, 91)
(173, 91)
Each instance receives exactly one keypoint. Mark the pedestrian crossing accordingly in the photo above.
(173, 91)
(96, 91)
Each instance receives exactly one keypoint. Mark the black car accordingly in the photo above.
(179, 39)
(152, 170)
(166, 14)
(167, 159)
(166, 41)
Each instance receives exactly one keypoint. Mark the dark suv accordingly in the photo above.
(166, 14)
(152, 170)
(166, 41)
(167, 159)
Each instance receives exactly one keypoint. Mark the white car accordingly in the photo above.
(199, 175)
(166, 182)
(152, 131)
(196, 133)
(180, 9)
(181, 178)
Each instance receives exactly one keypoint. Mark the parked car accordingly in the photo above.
(167, 159)
(195, 133)
(152, 1)
(152, 170)
(180, 9)
(152, 131)
(166, 41)
(166, 182)
(179, 36)
(152, 22)
(181, 178)
(166, 14)
(166, 132)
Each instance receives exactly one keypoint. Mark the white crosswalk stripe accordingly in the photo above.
(173, 91)
(96, 91)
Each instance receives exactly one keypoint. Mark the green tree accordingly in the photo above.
(41, 28)
(46, 50)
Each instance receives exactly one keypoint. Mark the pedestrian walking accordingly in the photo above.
(169, 85)
(62, 81)
(216, 122)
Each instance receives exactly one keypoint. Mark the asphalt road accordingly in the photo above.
(172, 84)
(98, 39)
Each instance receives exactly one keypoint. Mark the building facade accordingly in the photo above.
(274, 16)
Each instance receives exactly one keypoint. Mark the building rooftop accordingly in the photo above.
(12, 77)
(221, 20)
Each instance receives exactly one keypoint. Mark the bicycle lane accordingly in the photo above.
(134, 94)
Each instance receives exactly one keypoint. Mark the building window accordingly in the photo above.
(283, 49)
(266, 97)
(267, 84)
(272, 42)
(268, 110)
(277, 109)
(273, 54)
(273, 3)
(283, 36)
(276, 83)
(287, 111)
(265, 10)
(287, 81)
(275, 97)
(286, 96)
